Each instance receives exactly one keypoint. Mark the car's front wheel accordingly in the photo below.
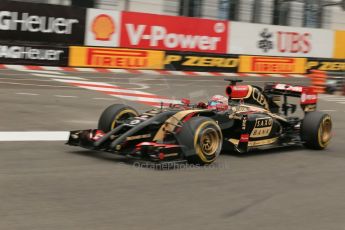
(202, 139)
(114, 115)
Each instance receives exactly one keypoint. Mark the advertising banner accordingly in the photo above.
(43, 23)
(339, 44)
(261, 64)
(187, 61)
(115, 58)
(102, 28)
(268, 40)
(151, 31)
(33, 55)
(334, 65)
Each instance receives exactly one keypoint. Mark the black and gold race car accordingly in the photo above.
(252, 118)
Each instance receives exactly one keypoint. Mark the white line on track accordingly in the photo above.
(54, 76)
(328, 110)
(34, 136)
(28, 84)
(28, 94)
(65, 96)
(102, 98)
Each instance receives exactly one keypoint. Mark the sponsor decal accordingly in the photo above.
(141, 30)
(22, 52)
(254, 143)
(187, 61)
(258, 64)
(266, 44)
(297, 89)
(138, 137)
(258, 39)
(239, 91)
(337, 65)
(262, 127)
(259, 98)
(244, 138)
(244, 122)
(102, 28)
(115, 58)
(35, 24)
(308, 96)
(34, 55)
(41, 22)
(262, 142)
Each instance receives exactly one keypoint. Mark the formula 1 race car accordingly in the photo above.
(251, 118)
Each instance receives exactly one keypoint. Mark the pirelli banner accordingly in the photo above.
(187, 61)
(326, 64)
(24, 54)
(81, 56)
(263, 64)
(43, 23)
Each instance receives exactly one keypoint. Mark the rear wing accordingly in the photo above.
(308, 97)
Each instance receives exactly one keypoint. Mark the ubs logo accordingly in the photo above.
(265, 43)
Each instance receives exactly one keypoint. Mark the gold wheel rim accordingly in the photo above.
(209, 141)
(123, 115)
(325, 130)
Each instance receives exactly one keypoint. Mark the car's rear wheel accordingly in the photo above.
(316, 130)
(202, 139)
(114, 115)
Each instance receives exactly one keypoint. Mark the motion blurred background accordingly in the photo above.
(328, 14)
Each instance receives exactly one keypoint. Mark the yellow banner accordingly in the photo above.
(339, 44)
(262, 64)
(115, 58)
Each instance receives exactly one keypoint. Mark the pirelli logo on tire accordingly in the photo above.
(115, 58)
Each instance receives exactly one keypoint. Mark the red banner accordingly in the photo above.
(151, 31)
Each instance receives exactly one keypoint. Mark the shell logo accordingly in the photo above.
(103, 27)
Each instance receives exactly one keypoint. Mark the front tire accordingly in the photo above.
(316, 130)
(202, 139)
(113, 115)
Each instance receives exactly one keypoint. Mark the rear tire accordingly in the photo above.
(113, 114)
(316, 130)
(202, 139)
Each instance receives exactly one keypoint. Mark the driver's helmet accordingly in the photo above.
(218, 100)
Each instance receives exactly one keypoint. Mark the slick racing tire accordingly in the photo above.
(114, 114)
(201, 139)
(316, 130)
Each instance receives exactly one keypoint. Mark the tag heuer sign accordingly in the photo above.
(41, 23)
(33, 54)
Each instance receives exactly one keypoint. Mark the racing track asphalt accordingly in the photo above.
(47, 185)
